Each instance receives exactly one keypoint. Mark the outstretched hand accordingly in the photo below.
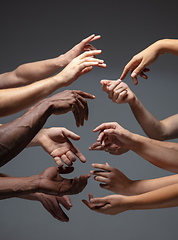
(108, 147)
(139, 63)
(110, 205)
(117, 91)
(51, 204)
(71, 100)
(55, 141)
(111, 178)
(84, 45)
(52, 183)
(112, 133)
(80, 66)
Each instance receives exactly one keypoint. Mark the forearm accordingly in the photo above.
(143, 186)
(18, 99)
(161, 198)
(155, 152)
(150, 125)
(31, 72)
(16, 135)
(18, 186)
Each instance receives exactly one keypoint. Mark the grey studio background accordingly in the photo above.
(37, 30)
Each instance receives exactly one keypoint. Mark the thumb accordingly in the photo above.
(71, 135)
(65, 170)
(106, 82)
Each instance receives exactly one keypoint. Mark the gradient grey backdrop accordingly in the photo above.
(45, 29)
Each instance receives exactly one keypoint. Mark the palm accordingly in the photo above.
(52, 183)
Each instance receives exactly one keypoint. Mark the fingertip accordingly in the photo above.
(133, 74)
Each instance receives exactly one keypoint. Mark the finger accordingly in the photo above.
(84, 107)
(88, 204)
(95, 38)
(146, 70)
(100, 137)
(82, 111)
(64, 202)
(143, 75)
(96, 146)
(121, 97)
(91, 38)
(90, 54)
(68, 200)
(111, 88)
(105, 84)
(101, 179)
(126, 70)
(104, 167)
(99, 173)
(76, 113)
(118, 94)
(89, 47)
(79, 185)
(58, 161)
(84, 94)
(78, 154)
(103, 126)
(55, 210)
(69, 134)
(66, 160)
(70, 156)
(65, 170)
(59, 214)
(85, 70)
(99, 200)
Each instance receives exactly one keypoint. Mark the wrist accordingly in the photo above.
(60, 61)
(133, 100)
(160, 46)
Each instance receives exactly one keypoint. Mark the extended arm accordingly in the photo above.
(17, 99)
(31, 72)
(48, 182)
(114, 180)
(16, 135)
(161, 154)
(165, 197)
(139, 63)
(119, 92)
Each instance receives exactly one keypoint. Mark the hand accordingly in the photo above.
(139, 63)
(117, 91)
(80, 47)
(113, 133)
(71, 100)
(111, 178)
(55, 141)
(53, 184)
(111, 205)
(51, 204)
(110, 148)
(80, 66)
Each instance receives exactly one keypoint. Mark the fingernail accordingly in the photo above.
(133, 74)
(92, 200)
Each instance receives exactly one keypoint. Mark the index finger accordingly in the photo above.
(102, 166)
(126, 70)
(78, 154)
(103, 126)
(84, 94)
